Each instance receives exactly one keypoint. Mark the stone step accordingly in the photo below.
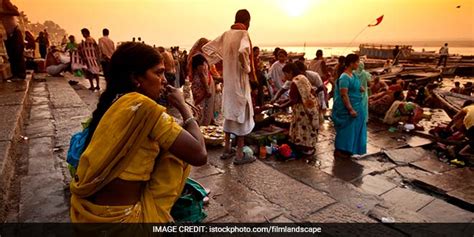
(56, 113)
(13, 106)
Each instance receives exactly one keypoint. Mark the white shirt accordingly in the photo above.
(106, 46)
(444, 50)
(276, 74)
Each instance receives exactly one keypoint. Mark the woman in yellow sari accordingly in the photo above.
(137, 158)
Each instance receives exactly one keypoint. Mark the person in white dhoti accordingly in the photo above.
(234, 48)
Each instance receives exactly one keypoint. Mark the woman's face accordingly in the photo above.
(152, 83)
(282, 58)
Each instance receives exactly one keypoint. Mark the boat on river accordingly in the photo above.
(451, 102)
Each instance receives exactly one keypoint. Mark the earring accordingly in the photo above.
(138, 85)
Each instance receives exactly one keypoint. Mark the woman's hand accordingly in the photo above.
(175, 97)
(353, 113)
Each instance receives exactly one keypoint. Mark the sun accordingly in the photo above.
(294, 8)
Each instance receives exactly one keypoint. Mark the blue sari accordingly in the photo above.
(351, 133)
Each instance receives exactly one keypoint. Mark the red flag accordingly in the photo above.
(379, 20)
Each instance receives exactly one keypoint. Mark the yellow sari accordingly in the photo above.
(130, 143)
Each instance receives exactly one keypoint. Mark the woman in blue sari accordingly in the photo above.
(348, 112)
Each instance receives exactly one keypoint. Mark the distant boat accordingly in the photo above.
(383, 51)
(267, 56)
(420, 75)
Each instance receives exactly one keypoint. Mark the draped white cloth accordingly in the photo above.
(233, 48)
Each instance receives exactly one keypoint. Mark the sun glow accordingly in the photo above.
(295, 8)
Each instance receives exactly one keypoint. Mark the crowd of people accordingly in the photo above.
(137, 158)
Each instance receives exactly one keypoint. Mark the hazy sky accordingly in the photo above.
(274, 22)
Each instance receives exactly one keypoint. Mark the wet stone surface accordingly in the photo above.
(40, 112)
(12, 93)
(243, 204)
(205, 171)
(399, 214)
(300, 200)
(410, 173)
(40, 128)
(387, 140)
(443, 212)
(41, 160)
(339, 213)
(346, 169)
(62, 95)
(432, 165)
(376, 184)
(282, 219)
(408, 199)
(446, 182)
(4, 148)
(214, 211)
(376, 164)
(42, 199)
(67, 122)
(465, 195)
(8, 120)
(407, 155)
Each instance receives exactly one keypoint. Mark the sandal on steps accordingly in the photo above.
(245, 160)
(228, 155)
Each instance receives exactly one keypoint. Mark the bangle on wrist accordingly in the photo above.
(188, 121)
